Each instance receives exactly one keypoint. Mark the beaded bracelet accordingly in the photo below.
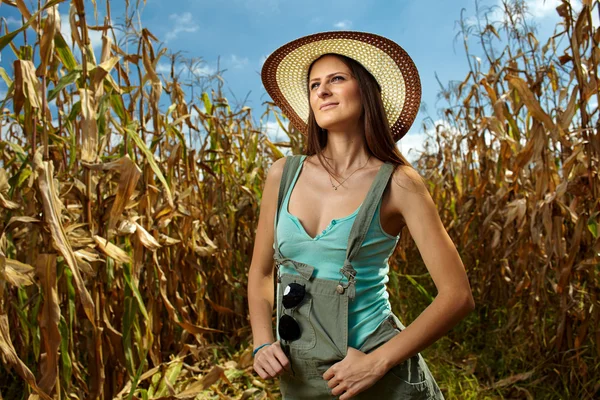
(259, 347)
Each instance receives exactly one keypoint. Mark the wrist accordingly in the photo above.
(382, 361)
(258, 348)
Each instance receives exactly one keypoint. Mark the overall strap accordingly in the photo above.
(292, 163)
(362, 222)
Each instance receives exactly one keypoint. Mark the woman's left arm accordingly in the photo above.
(454, 300)
(410, 198)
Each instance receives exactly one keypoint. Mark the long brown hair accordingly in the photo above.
(378, 135)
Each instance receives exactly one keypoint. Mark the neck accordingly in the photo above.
(345, 150)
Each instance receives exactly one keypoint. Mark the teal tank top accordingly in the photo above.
(327, 252)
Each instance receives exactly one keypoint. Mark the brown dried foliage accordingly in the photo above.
(123, 244)
(513, 168)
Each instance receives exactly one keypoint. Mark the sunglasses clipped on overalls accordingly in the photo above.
(312, 315)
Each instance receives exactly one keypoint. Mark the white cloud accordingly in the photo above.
(12, 21)
(205, 70)
(412, 145)
(345, 24)
(182, 23)
(542, 8)
(164, 68)
(238, 62)
(202, 70)
(274, 132)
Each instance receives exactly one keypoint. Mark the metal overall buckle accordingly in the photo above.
(340, 288)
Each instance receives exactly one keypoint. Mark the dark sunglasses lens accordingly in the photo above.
(293, 295)
(288, 328)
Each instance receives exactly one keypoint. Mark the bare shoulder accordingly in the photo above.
(274, 177)
(276, 170)
(407, 180)
(407, 188)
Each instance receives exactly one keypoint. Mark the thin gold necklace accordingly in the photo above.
(341, 183)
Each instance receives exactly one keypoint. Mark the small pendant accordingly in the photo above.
(339, 289)
(334, 188)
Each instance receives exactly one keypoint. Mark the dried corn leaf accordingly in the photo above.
(23, 219)
(209, 379)
(52, 210)
(146, 238)
(511, 380)
(10, 357)
(194, 329)
(89, 127)
(126, 227)
(49, 319)
(18, 274)
(51, 27)
(533, 105)
(209, 249)
(8, 204)
(129, 177)
(150, 158)
(112, 250)
(31, 20)
(167, 240)
(26, 86)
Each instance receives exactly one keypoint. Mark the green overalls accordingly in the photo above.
(323, 316)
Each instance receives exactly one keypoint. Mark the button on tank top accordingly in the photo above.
(327, 252)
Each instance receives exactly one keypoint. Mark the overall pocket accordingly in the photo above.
(302, 314)
(408, 380)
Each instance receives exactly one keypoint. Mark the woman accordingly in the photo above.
(332, 218)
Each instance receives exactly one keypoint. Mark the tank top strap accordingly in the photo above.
(359, 229)
(290, 168)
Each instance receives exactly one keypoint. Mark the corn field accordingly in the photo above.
(128, 212)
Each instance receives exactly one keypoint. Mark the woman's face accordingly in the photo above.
(334, 95)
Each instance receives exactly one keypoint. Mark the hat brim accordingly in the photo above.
(285, 75)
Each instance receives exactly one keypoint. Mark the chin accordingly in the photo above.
(337, 125)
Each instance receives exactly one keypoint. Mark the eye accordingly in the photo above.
(336, 78)
(312, 85)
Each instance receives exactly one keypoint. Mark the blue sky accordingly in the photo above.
(242, 33)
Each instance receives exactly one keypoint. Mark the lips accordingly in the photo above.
(327, 106)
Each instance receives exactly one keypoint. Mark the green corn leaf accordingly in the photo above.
(5, 77)
(119, 108)
(65, 359)
(134, 289)
(150, 158)
(66, 80)
(593, 225)
(64, 52)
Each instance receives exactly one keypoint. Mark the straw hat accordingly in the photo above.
(285, 74)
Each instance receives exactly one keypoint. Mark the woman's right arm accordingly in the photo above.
(269, 361)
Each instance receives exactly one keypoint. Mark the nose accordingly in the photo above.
(323, 90)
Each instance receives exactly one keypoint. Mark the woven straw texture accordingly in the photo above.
(285, 75)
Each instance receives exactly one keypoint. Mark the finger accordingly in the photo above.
(261, 372)
(334, 382)
(268, 368)
(275, 364)
(338, 390)
(282, 358)
(329, 373)
(346, 396)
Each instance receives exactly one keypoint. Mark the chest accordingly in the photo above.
(316, 205)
